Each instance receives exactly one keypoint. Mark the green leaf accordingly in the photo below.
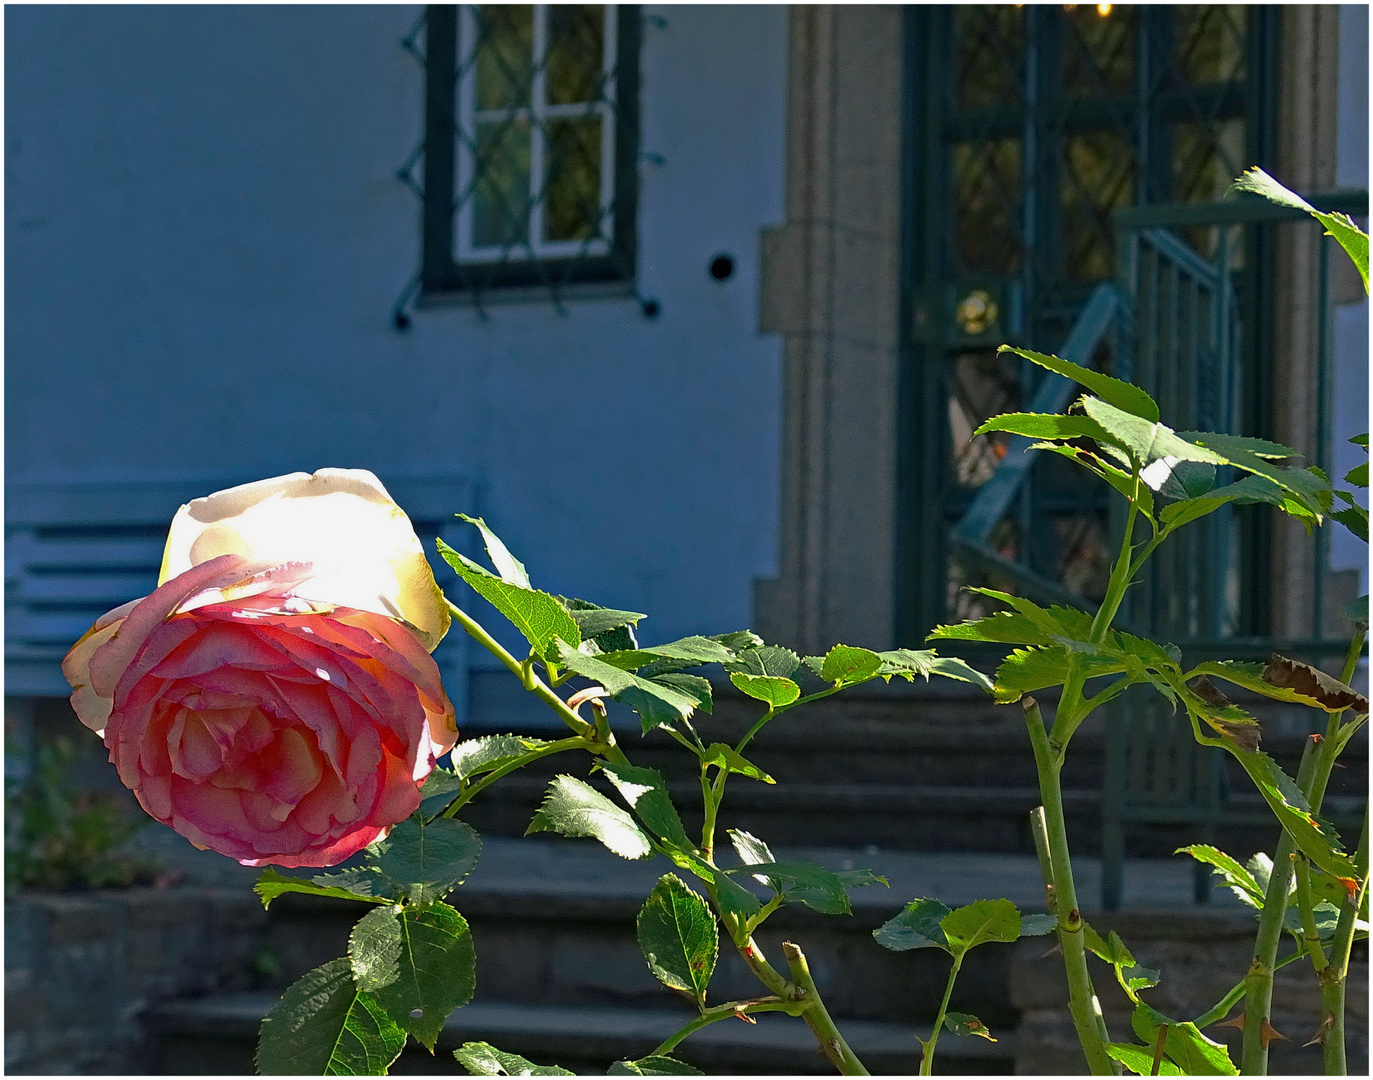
(1185, 1046)
(437, 971)
(693, 686)
(1358, 475)
(374, 948)
(1120, 394)
(471, 757)
(804, 883)
(657, 705)
(360, 881)
(1140, 1060)
(1028, 670)
(1356, 611)
(1096, 463)
(510, 569)
(1310, 487)
(537, 615)
(966, 1024)
(646, 792)
(846, 664)
(908, 663)
(653, 1066)
(776, 692)
(272, 884)
(1251, 676)
(679, 938)
(1348, 235)
(483, 1059)
(980, 922)
(726, 757)
(688, 652)
(738, 640)
(325, 1026)
(1048, 426)
(574, 808)
(428, 861)
(593, 621)
(734, 899)
(917, 927)
(1005, 627)
(1228, 869)
(1037, 925)
(751, 852)
(1355, 519)
(765, 660)
(1248, 489)
(1147, 441)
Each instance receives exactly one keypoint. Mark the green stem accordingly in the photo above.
(1258, 994)
(1120, 577)
(1082, 1000)
(757, 727)
(817, 1017)
(927, 1059)
(1039, 828)
(1333, 744)
(1311, 938)
(1333, 982)
(1222, 1008)
(712, 805)
(576, 742)
(724, 1012)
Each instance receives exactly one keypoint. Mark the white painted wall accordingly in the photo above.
(205, 237)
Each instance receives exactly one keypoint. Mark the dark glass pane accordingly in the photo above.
(576, 49)
(1098, 176)
(1206, 159)
(500, 210)
(1083, 562)
(963, 572)
(986, 197)
(990, 44)
(981, 384)
(1209, 42)
(504, 55)
(1098, 50)
(572, 150)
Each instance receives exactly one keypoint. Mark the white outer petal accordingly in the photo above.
(364, 550)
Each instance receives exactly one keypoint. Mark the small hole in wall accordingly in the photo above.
(722, 267)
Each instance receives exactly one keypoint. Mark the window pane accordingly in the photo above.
(1210, 42)
(500, 208)
(572, 207)
(576, 48)
(1098, 176)
(504, 55)
(986, 197)
(981, 385)
(990, 49)
(1098, 51)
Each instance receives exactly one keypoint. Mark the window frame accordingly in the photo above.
(442, 272)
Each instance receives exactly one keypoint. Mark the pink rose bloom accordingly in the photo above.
(274, 698)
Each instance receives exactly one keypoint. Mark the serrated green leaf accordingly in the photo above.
(1310, 488)
(908, 663)
(688, 652)
(1248, 489)
(537, 615)
(1358, 475)
(1228, 869)
(752, 851)
(1120, 394)
(1185, 1046)
(1037, 925)
(510, 569)
(374, 948)
(1147, 441)
(574, 808)
(483, 1059)
(776, 692)
(1140, 1060)
(771, 660)
(966, 1024)
(1355, 519)
(325, 1026)
(979, 922)
(594, 620)
(1047, 426)
(1118, 478)
(1004, 627)
(1140, 978)
(804, 883)
(847, 664)
(1348, 235)
(427, 861)
(653, 1066)
(693, 686)
(917, 927)
(272, 884)
(734, 900)
(679, 938)
(471, 757)
(725, 756)
(1028, 670)
(646, 792)
(437, 971)
(738, 640)
(658, 705)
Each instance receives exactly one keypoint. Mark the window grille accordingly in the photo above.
(531, 146)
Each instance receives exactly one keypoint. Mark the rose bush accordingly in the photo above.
(274, 698)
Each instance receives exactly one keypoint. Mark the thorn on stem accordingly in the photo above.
(1267, 1033)
(1322, 1032)
(1236, 1021)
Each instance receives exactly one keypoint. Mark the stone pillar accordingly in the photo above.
(1307, 111)
(830, 287)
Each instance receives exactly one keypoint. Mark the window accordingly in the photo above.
(531, 146)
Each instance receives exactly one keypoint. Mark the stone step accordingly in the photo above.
(217, 1034)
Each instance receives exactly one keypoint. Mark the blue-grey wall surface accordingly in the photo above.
(205, 236)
